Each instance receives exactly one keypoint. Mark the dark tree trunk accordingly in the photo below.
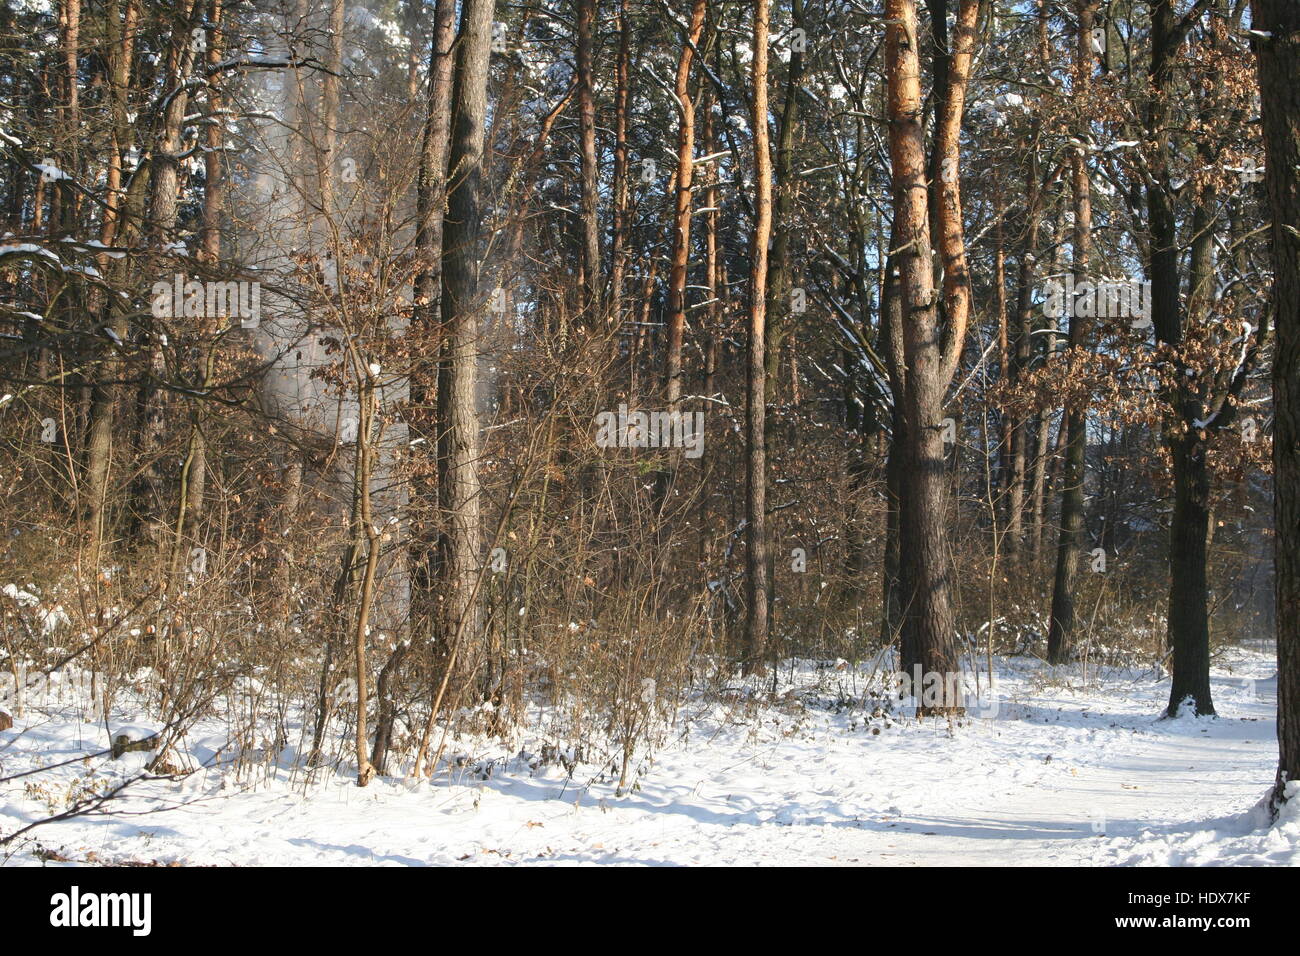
(1188, 616)
(1189, 625)
(891, 327)
(1060, 635)
(386, 717)
(1277, 48)
(431, 195)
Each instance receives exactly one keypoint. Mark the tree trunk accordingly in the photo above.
(778, 278)
(71, 16)
(1022, 349)
(1060, 634)
(1044, 450)
(586, 13)
(431, 197)
(1188, 616)
(931, 349)
(1277, 49)
(364, 535)
(618, 254)
(1006, 360)
(150, 492)
(682, 208)
(214, 192)
(756, 624)
(891, 337)
(461, 306)
(118, 219)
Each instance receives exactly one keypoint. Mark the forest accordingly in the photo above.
(495, 402)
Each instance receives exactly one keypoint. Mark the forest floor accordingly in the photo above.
(1067, 769)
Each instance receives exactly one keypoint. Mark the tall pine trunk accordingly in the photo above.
(931, 346)
(755, 404)
(681, 248)
(586, 13)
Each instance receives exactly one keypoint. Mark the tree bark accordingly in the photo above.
(1060, 634)
(681, 249)
(431, 198)
(756, 626)
(892, 584)
(618, 254)
(931, 348)
(1188, 615)
(1277, 51)
(150, 491)
(586, 13)
(778, 279)
(214, 193)
(461, 307)
(117, 219)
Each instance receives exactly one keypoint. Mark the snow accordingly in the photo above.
(49, 619)
(95, 244)
(27, 248)
(1068, 768)
(51, 173)
(23, 598)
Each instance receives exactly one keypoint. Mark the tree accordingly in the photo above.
(1277, 50)
(586, 14)
(430, 453)
(462, 306)
(755, 400)
(1199, 395)
(1061, 631)
(681, 228)
(933, 325)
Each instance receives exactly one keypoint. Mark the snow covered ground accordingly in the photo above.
(1064, 773)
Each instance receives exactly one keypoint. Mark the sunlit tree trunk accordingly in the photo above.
(586, 14)
(756, 624)
(681, 247)
(931, 347)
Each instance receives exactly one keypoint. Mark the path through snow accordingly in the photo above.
(1058, 777)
